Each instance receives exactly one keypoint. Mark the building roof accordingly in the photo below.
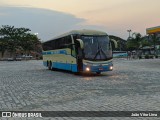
(153, 30)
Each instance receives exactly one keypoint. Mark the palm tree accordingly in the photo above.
(145, 41)
(134, 43)
(137, 38)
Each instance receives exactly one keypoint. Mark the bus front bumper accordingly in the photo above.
(98, 68)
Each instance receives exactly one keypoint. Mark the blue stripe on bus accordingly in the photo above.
(55, 52)
(63, 66)
(73, 67)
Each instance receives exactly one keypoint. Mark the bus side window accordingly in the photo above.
(65, 40)
(69, 40)
(47, 46)
(53, 45)
(58, 44)
(61, 43)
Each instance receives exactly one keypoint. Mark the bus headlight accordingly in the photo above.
(111, 67)
(87, 69)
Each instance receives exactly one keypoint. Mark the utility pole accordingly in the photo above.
(129, 31)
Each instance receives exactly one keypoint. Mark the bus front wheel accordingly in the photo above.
(98, 73)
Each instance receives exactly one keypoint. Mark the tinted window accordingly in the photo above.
(57, 44)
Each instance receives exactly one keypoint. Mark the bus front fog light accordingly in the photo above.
(111, 67)
(87, 69)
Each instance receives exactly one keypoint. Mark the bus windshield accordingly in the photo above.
(97, 48)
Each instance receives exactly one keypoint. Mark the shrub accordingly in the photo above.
(146, 56)
(140, 57)
(151, 56)
(40, 57)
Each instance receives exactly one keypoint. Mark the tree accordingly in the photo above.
(145, 42)
(13, 39)
(3, 46)
(134, 43)
(11, 35)
(29, 42)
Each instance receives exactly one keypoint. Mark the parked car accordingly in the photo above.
(18, 59)
(27, 56)
(10, 59)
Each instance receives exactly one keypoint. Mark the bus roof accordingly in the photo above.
(80, 32)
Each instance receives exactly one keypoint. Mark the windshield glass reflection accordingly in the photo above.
(97, 47)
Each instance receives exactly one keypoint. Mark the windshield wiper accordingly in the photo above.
(99, 52)
(103, 52)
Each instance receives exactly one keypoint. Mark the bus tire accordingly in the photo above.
(50, 65)
(77, 73)
(98, 73)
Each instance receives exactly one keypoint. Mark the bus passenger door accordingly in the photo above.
(74, 55)
(79, 59)
(79, 54)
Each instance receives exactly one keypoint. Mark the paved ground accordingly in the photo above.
(134, 85)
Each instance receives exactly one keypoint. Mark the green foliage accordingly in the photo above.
(145, 42)
(135, 42)
(3, 46)
(12, 38)
(146, 56)
(131, 45)
(140, 57)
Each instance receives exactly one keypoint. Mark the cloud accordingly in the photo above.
(112, 16)
(47, 23)
(3, 14)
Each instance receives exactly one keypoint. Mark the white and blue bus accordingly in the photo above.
(79, 51)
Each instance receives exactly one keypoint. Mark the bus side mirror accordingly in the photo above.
(80, 43)
(114, 43)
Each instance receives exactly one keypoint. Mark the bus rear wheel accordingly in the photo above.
(50, 65)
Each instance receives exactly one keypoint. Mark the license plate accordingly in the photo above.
(100, 68)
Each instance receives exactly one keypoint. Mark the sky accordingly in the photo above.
(50, 18)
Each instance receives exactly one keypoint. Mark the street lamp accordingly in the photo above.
(129, 33)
